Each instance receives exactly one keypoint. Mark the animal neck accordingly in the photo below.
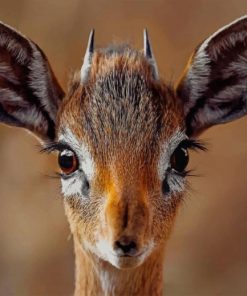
(97, 277)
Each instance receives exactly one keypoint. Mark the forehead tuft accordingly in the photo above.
(119, 57)
(121, 105)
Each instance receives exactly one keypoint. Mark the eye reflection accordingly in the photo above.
(180, 158)
(67, 161)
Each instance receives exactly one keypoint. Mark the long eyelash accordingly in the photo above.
(183, 174)
(189, 173)
(194, 144)
(54, 146)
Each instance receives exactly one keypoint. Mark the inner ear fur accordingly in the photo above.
(213, 88)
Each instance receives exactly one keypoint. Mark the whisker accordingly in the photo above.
(56, 175)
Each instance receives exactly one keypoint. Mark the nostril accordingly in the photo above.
(126, 247)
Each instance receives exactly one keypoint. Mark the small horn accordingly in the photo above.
(149, 54)
(87, 62)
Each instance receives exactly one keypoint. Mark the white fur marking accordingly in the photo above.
(175, 182)
(167, 150)
(73, 185)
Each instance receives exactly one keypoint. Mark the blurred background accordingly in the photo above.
(206, 254)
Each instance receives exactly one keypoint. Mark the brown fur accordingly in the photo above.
(124, 115)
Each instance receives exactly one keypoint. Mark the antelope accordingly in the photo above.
(122, 137)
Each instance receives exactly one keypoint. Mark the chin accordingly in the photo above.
(126, 262)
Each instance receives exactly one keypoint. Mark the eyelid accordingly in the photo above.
(66, 177)
(56, 146)
(193, 144)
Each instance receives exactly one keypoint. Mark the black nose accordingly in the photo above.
(125, 246)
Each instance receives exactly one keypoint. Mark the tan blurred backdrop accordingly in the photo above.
(207, 254)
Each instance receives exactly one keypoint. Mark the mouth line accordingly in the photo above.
(128, 256)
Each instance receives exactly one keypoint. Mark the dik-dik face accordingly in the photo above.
(123, 154)
(122, 135)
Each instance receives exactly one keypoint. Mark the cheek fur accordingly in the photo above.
(71, 187)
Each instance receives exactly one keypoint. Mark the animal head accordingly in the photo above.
(122, 134)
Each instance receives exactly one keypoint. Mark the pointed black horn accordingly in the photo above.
(149, 54)
(87, 62)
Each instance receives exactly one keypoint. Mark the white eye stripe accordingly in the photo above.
(175, 182)
(72, 186)
(166, 151)
(87, 162)
(85, 159)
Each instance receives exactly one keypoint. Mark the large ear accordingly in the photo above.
(214, 86)
(29, 92)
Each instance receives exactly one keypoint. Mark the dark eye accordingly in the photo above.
(180, 159)
(67, 161)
